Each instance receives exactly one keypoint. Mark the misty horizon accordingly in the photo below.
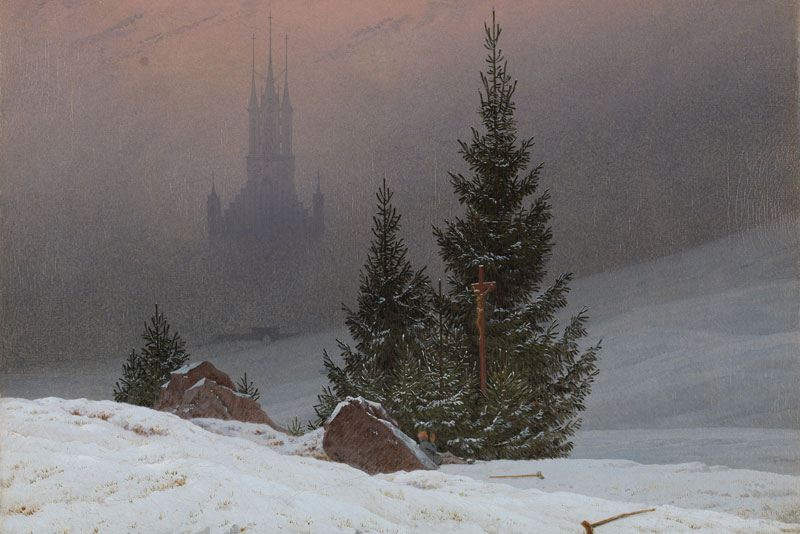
(661, 128)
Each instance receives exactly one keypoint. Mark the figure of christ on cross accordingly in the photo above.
(481, 289)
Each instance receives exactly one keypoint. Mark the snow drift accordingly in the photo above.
(78, 466)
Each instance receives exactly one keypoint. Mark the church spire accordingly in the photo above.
(270, 119)
(270, 89)
(286, 111)
(214, 217)
(285, 103)
(318, 213)
(253, 104)
(252, 110)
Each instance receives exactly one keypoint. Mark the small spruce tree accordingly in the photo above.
(246, 387)
(144, 373)
(389, 321)
(537, 378)
(134, 387)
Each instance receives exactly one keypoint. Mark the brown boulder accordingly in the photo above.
(202, 390)
(361, 434)
(187, 376)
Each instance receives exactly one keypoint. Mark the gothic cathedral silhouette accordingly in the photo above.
(266, 210)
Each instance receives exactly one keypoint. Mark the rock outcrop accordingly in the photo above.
(361, 434)
(202, 390)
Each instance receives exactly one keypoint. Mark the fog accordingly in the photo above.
(662, 126)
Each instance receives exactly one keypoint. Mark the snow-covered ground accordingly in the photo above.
(78, 466)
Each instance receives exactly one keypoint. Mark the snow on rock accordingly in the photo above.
(361, 401)
(186, 368)
(197, 384)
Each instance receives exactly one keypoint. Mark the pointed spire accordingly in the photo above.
(287, 105)
(318, 217)
(253, 104)
(213, 189)
(270, 89)
(253, 109)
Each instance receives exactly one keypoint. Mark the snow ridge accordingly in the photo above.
(77, 466)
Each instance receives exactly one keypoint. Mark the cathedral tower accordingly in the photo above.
(267, 210)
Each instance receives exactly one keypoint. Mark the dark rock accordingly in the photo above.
(361, 434)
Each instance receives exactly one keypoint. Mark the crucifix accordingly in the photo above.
(481, 289)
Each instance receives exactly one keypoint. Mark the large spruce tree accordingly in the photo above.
(538, 378)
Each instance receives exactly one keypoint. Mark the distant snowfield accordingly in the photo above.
(760, 449)
(709, 337)
(78, 466)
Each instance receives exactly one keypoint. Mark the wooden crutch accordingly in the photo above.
(590, 526)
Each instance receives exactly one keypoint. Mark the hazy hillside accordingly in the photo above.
(706, 337)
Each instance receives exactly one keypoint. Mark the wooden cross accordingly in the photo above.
(481, 289)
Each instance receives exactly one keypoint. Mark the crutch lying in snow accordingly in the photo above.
(590, 526)
(537, 475)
